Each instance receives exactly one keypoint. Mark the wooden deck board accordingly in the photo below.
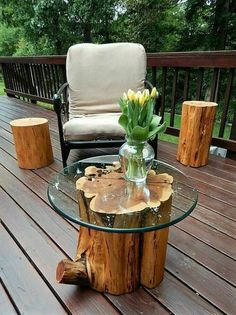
(200, 275)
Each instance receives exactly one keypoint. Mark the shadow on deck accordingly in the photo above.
(200, 275)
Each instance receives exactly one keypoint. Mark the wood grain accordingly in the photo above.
(196, 132)
(33, 143)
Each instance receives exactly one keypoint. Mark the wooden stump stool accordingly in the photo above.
(32, 141)
(196, 132)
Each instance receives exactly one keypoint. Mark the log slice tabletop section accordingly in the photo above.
(197, 121)
(32, 141)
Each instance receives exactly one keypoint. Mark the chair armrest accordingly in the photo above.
(60, 103)
(148, 84)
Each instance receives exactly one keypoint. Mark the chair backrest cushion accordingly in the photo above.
(98, 75)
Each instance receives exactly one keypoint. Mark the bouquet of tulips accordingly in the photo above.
(140, 124)
(138, 118)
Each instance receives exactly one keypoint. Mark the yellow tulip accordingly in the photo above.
(154, 93)
(125, 97)
(142, 99)
(131, 95)
(137, 96)
(146, 94)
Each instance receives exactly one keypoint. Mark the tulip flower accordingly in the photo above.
(154, 93)
(137, 118)
(131, 95)
(140, 124)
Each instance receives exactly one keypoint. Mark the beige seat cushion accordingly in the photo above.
(98, 75)
(94, 127)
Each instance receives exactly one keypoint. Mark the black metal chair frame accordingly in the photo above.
(61, 107)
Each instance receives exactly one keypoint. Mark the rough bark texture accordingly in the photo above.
(153, 257)
(112, 260)
(32, 141)
(154, 249)
(196, 132)
(72, 272)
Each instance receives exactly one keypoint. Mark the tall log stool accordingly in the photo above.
(32, 141)
(196, 132)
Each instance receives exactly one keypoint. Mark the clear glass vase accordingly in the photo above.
(136, 159)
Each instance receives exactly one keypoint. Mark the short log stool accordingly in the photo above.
(196, 132)
(32, 141)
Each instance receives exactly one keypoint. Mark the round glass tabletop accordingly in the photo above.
(63, 196)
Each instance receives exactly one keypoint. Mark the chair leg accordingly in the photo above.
(65, 153)
(154, 144)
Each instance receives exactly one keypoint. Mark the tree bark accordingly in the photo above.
(32, 141)
(196, 132)
(111, 261)
(154, 248)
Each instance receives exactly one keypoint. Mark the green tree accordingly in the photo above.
(52, 26)
(9, 37)
(153, 23)
(209, 25)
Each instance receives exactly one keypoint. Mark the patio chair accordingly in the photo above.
(87, 105)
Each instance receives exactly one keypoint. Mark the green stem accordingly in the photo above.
(136, 167)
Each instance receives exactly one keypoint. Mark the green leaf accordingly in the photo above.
(149, 116)
(130, 113)
(142, 116)
(139, 133)
(155, 122)
(129, 129)
(135, 117)
(122, 104)
(157, 130)
(123, 121)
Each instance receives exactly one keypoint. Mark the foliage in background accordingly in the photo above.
(157, 23)
(9, 38)
(50, 26)
(209, 25)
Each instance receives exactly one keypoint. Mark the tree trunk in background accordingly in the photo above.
(87, 33)
(220, 24)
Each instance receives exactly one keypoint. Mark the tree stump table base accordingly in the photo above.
(118, 263)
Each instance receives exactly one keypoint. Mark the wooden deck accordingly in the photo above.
(200, 275)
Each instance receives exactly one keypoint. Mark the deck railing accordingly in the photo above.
(179, 76)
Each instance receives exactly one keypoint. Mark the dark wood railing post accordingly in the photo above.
(232, 154)
(6, 79)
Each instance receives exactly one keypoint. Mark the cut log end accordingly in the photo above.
(72, 272)
(200, 103)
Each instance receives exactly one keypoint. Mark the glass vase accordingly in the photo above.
(136, 159)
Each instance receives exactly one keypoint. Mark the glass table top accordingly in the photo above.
(63, 196)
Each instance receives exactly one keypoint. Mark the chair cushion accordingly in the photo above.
(94, 127)
(98, 75)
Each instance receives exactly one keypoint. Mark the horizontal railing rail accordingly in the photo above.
(179, 75)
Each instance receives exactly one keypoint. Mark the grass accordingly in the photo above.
(44, 105)
(2, 88)
(164, 137)
(174, 139)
